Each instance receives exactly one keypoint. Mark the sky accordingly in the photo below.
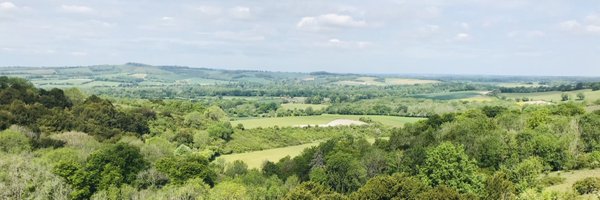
(502, 37)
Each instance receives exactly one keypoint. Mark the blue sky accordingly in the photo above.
(510, 37)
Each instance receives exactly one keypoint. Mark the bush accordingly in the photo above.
(13, 142)
(587, 186)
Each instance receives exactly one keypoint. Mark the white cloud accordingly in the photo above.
(209, 10)
(329, 21)
(334, 42)
(76, 9)
(244, 36)
(465, 25)
(589, 25)
(593, 19)
(429, 12)
(166, 18)
(78, 53)
(461, 37)
(240, 12)
(7, 6)
(528, 34)
(571, 25)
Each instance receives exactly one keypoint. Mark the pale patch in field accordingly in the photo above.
(338, 122)
(404, 81)
(537, 103)
(142, 76)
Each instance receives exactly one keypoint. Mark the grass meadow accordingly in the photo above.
(555, 96)
(392, 121)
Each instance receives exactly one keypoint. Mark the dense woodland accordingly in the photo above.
(65, 144)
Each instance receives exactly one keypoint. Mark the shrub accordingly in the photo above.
(587, 185)
(13, 142)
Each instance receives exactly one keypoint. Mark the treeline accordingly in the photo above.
(564, 88)
(52, 112)
(317, 93)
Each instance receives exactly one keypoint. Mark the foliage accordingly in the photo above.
(13, 142)
(179, 169)
(449, 165)
(111, 166)
(587, 186)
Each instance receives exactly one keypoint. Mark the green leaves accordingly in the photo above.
(449, 165)
(182, 168)
(109, 167)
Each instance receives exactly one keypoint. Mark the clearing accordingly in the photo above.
(321, 119)
(255, 159)
(570, 178)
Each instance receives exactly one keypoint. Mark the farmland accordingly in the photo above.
(555, 96)
(255, 159)
(321, 119)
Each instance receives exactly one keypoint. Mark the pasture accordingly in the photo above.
(255, 159)
(392, 121)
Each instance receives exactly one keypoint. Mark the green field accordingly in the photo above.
(554, 96)
(302, 106)
(255, 159)
(385, 81)
(321, 119)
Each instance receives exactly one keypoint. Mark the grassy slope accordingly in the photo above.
(255, 159)
(320, 119)
(571, 178)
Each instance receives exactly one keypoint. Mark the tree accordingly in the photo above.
(499, 187)
(564, 97)
(182, 168)
(344, 173)
(307, 191)
(237, 168)
(13, 142)
(449, 165)
(397, 186)
(587, 186)
(108, 167)
(221, 130)
(580, 96)
(443, 192)
(590, 134)
(525, 174)
(229, 191)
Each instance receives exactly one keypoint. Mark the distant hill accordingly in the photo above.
(143, 75)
